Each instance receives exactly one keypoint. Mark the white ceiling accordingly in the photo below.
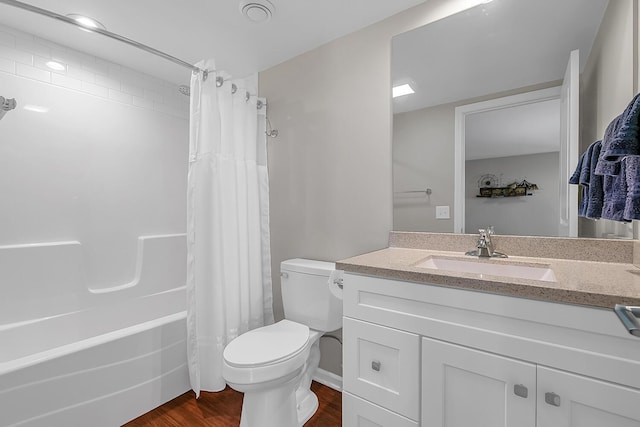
(499, 46)
(525, 129)
(492, 48)
(192, 30)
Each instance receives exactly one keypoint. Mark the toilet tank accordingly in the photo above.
(308, 296)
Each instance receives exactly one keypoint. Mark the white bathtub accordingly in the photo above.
(118, 354)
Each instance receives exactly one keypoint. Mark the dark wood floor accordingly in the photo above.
(223, 410)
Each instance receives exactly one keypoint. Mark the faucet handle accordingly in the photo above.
(490, 230)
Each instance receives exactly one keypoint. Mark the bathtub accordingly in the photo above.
(98, 357)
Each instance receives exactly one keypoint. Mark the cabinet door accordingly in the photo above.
(567, 400)
(463, 387)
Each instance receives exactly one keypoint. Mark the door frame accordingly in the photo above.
(461, 114)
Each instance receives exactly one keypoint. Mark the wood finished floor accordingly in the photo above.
(223, 410)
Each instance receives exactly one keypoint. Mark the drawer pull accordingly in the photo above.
(552, 399)
(375, 365)
(521, 391)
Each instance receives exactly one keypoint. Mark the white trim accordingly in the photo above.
(329, 379)
(461, 113)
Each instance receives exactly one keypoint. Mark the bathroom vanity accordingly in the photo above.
(427, 346)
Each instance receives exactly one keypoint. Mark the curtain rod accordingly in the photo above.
(47, 13)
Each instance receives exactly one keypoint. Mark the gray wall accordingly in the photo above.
(537, 215)
(423, 158)
(330, 167)
(609, 82)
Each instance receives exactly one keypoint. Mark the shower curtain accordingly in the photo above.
(228, 258)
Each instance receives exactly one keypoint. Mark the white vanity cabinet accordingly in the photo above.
(425, 355)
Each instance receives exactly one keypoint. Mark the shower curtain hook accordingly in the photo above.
(270, 132)
(205, 74)
(6, 104)
(219, 81)
(247, 96)
(234, 88)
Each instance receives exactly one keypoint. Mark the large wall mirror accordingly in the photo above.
(500, 66)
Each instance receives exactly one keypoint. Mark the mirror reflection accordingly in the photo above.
(486, 111)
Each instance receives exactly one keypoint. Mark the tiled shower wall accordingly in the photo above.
(25, 55)
(103, 164)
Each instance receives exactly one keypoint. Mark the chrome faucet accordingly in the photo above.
(484, 245)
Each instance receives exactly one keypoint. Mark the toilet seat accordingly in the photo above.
(266, 353)
(267, 345)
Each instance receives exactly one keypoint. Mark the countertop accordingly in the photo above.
(578, 281)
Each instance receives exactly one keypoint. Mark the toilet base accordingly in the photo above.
(272, 407)
(287, 402)
(307, 406)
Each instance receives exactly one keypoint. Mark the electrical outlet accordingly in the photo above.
(442, 212)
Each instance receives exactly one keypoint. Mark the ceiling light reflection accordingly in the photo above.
(36, 108)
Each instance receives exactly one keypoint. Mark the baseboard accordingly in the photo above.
(329, 379)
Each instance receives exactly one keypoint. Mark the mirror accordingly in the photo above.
(494, 51)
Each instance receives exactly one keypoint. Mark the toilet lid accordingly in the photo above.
(267, 344)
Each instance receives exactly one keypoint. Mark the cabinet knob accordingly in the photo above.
(375, 365)
(552, 399)
(521, 391)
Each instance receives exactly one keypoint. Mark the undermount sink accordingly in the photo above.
(481, 267)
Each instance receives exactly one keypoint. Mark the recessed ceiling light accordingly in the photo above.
(86, 22)
(257, 11)
(402, 90)
(55, 66)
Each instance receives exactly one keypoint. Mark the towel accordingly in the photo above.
(624, 140)
(594, 184)
(619, 166)
(631, 165)
(592, 200)
(615, 196)
(575, 179)
(609, 166)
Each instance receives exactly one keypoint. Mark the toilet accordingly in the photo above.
(274, 365)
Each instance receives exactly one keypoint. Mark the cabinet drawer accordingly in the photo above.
(382, 365)
(357, 412)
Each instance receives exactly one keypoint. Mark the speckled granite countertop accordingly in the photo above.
(600, 277)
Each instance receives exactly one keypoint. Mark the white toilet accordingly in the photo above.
(274, 365)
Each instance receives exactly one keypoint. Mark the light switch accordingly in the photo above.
(442, 212)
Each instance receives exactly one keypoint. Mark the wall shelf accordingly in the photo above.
(494, 192)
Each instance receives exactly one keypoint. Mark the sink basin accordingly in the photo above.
(501, 269)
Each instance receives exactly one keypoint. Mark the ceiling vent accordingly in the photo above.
(257, 11)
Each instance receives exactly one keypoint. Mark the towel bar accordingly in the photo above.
(427, 192)
(629, 317)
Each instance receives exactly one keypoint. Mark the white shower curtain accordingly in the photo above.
(228, 258)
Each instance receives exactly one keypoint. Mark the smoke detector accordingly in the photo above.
(257, 11)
